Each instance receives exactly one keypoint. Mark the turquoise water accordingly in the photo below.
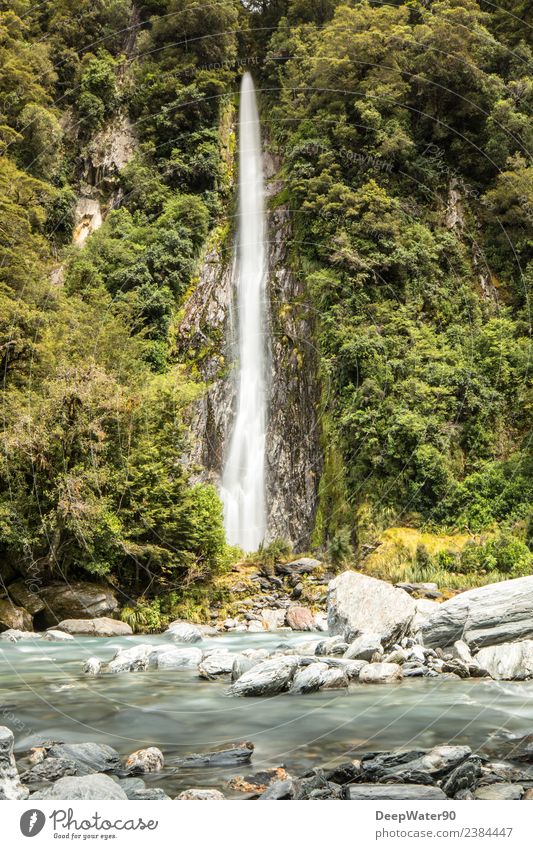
(45, 695)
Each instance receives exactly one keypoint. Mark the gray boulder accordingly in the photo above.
(394, 792)
(82, 787)
(172, 657)
(184, 632)
(55, 636)
(267, 678)
(367, 647)
(508, 661)
(318, 676)
(490, 615)
(145, 760)
(12, 635)
(92, 666)
(135, 659)
(302, 566)
(88, 757)
(215, 664)
(380, 673)
(75, 600)
(102, 626)
(358, 604)
(10, 784)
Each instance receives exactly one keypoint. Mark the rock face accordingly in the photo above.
(508, 661)
(101, 627)
(496, 613)
(82, 787)
(300, 619)
(77, 600)
(267, 678)
(14, 617)
(10, 785)
(358, 604)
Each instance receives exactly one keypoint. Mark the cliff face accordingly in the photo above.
(294, 456)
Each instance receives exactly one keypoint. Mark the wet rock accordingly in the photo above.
(461, 652)
(184, 632)
(463, 777)
(331, 645)
(318, 787)
(279, 790)
(358, 604)
(82, 787)
(367, 647)
(12, 617)
(102, 626)
(351, 668)
(508, 661)
(487, 616)
(88, 757)
(259, 781)
(300, 619)
(318, 676)
(302, 566)
(135, 659)
(345, 773)
(145, 760)
(76, 600)
(242, 664)
(457, 667)
(149, 794)
(321, 620)
(172, 657)
(131, 786)
(54, 636)
(393, 792)
(215, 664)
(518, 748)
(267, 678)
(92, 666)
(10, 784)
(416, 766)
(200, 794)
(13, 635)
(49, 770)
(239, 753)
(499, 791)
(380, 673)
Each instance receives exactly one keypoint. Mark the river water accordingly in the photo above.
(45, 695)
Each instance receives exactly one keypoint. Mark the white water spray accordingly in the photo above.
(243, 476)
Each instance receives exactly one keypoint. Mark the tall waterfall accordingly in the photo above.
(243, 476)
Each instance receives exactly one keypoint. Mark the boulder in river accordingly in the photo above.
(215, 664)
(10, 784)
(359, 604)
(92, 666)
(486, 616)
(300, 619)
(145, 760)
(13, 617)
(463, 777)
(12, 635)
(508, 661)
(200, 794)
(82, 787)
(318, 676)
(239, 753)
(75, 600)
(102, 626)
(267, 678)
(184, 632)
(395, 792)
(88, 757)
(173, 657)
(380, 673)
(366, 647)
(49, 770)
(419, 765)
(55, 636)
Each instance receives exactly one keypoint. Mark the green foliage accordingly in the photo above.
(340, 549)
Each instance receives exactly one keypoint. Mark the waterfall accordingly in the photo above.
(243, 477)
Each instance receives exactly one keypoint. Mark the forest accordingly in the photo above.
(404, 135)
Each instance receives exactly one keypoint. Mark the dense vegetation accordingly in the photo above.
(405, 132)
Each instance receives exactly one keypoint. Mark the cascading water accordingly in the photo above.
(243, 477)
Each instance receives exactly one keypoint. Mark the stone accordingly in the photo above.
(54, 636)
(457, 667)
(145, 760)
(302, 566)
(395, 792)
(359, 604)
(528, 795)
(88, 757)
(267, 678)
(102, 626)
(366, 647)
(259, 781)
(486, 616)
(238, 753)
(49, 770)
(300, 619)
(13, 635)
(518, 748)
(149, 794)
(499, 791)
(172, 657)
(200, 794)
(12, 617)
(351, 668)
(508, 661)
(429, 590)
(272, 618)
(331, 645)
(135, 659)
(184, 632)
(75, 600)
(215, 664)
(279, 790)
(424, 608)
(241, 664)
(24, 593)
(461, 652)
(463, 777)
(131, 786)
(255, 626)
(10, 784)
(317, 787)
(380, 673)
(82, 787)
(420, 765)
(317, 676)
(92, 666)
